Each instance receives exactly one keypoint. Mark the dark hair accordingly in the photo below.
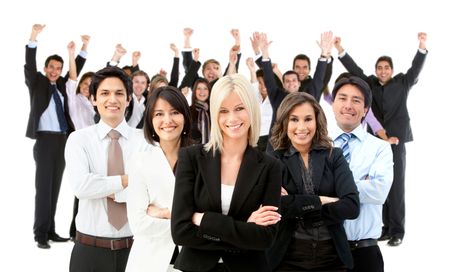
(82, 79)
(385, 58)
(362, 86)
(198, 81)
(55, 58)
(301, 57)
(176, 99)
(280, 139)
(259, 73)
(290, 72)
(107, 72)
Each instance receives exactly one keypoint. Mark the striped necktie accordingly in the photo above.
(345, 138)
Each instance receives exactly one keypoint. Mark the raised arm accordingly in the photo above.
(192, 73)
(235, 50)
(72, 66)
(35, 31)
(30, 68)
(412, 75)
(174, 74)
(118, 54)
(187, 54)
(347, 61)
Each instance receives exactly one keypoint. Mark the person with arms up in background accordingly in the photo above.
(389, 105)
(49, 123)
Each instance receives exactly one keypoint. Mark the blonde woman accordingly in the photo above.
(227, 192)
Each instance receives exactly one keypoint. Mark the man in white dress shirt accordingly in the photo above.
(370, 160)
(100, 246)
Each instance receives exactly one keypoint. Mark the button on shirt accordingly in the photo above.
(372, 167)
(86, 167)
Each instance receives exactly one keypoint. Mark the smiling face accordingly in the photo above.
(111, 101)
(348, 107)
(384, 71)
(302, 127)
(301, 67)
(212, 71)
(53, 70)
(167, 122)
(84, 86)
(139, 85)
(202, 92)
(291, 83)
(234, 120)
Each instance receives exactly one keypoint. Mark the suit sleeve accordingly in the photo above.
(318, 80)
(352, 67)
(347, 207)
(30, 68)
(175, 72)
(240, 233)
(412, 75)
(276, 94)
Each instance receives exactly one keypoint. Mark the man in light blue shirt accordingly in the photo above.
(371, 162)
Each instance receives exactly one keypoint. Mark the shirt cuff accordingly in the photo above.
(423, 51)
(83, 54)
(32, 44)
(342, 54)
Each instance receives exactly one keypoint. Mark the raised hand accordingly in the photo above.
(236, 35)
(187, 32)
(422, 36)
(254, 40)
(195, 54)
(175, 50)
(338, 45)
(326, 43)
(135, 57)
(35, 30)
(71, 47)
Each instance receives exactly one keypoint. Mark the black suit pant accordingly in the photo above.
(394, 207)
(48, 154)
(367, 259)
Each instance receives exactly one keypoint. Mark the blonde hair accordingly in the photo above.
(241, 86)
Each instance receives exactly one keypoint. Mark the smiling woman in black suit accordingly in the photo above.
(318, 192)
(227, 192)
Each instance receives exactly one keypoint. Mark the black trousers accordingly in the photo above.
(394, 207)
(48, 154)
(88, 258)
(367, 259)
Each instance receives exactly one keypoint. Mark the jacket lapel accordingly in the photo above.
(210, 172)
(249, 174)
(293, 165)
(318, 163)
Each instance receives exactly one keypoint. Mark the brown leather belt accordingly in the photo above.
(110, 243)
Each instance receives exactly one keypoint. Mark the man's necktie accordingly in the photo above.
(59, 109)
(117, 212)
(345, 138)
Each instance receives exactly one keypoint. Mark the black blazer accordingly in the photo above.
(389, 103)
(240, 244)
(40, 90)
(331, 177)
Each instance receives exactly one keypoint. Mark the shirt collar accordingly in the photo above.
(358, 132)
(103, 129)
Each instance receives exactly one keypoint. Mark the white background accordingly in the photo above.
(368, 30)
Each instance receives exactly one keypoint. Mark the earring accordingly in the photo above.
(184, 132)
